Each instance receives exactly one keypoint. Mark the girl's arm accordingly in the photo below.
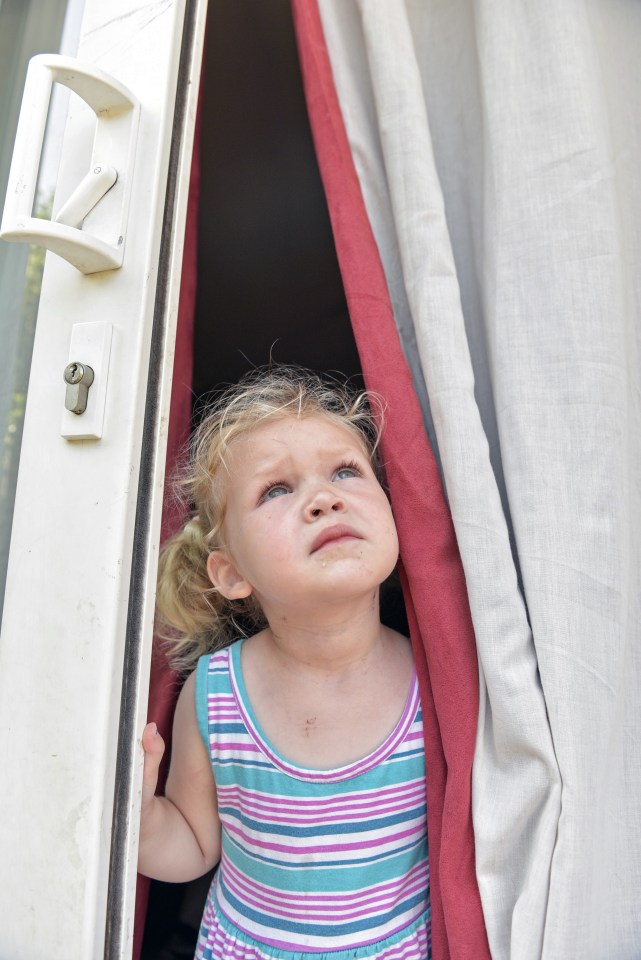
(180, 832)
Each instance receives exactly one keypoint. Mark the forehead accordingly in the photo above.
(310, 436)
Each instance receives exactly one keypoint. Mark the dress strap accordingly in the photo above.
(202, 676)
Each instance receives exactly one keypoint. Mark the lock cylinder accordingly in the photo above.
(78, 378)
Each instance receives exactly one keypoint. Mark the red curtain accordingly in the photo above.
(435, 591)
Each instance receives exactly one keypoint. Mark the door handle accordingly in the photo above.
(89, 230)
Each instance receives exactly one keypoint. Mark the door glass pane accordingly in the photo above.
(27, 27)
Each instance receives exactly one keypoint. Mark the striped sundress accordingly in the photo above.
(315, 863)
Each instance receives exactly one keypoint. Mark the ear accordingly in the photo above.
(226, 577)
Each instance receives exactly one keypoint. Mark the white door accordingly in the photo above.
(78, 605)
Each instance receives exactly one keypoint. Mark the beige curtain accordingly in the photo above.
(497, 146)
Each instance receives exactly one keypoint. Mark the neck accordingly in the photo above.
(336, 642)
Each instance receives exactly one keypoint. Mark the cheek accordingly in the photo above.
(264, 541)
(393, 539)
(392, 532)
(385, 510)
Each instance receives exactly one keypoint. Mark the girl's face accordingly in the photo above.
(307, 523)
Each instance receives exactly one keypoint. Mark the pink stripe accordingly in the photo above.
(347, 816)
(230, 746)
(416, 949)
(338, 914)
(416, 876)
(225, 948)
(329, 813)
(324, 811)
(253, 843)
(410, 950)
(334, 909)
(293, 821)
(367, 799)
(419, 874)
(413, 788)
(291, 945)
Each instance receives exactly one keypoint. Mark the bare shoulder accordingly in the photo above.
(257, 641)
(257, 655)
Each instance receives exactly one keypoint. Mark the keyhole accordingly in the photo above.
(76, 373)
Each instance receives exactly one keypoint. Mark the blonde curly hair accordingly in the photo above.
(199, 618)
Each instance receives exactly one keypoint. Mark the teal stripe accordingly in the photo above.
(342, 877)
(334, 829)
(222, 728)
(345, 928)
(202, 686)
(269, 781)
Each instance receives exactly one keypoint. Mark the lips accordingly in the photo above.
(330, 534)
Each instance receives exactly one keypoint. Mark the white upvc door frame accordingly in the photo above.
(77, 624)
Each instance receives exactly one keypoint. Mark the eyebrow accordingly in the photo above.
(276, 462)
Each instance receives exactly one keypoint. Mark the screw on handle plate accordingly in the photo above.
(78, 377)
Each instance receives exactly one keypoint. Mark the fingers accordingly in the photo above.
(154, 747)
(152, 742)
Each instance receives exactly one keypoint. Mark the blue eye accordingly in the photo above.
(273, 490)
(347, 471)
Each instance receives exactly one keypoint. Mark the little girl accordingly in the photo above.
(297, 761)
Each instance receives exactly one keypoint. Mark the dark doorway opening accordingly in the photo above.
(269, 286)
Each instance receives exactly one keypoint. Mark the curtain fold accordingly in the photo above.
(435, 589)
(494, 147)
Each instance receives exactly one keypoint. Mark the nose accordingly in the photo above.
(323, 500)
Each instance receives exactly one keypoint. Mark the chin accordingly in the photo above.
(346, 585)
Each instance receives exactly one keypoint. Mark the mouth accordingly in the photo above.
(333, 535)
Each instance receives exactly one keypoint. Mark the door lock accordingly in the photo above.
(78, 377)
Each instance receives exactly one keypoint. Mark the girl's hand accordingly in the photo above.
(154, 747)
